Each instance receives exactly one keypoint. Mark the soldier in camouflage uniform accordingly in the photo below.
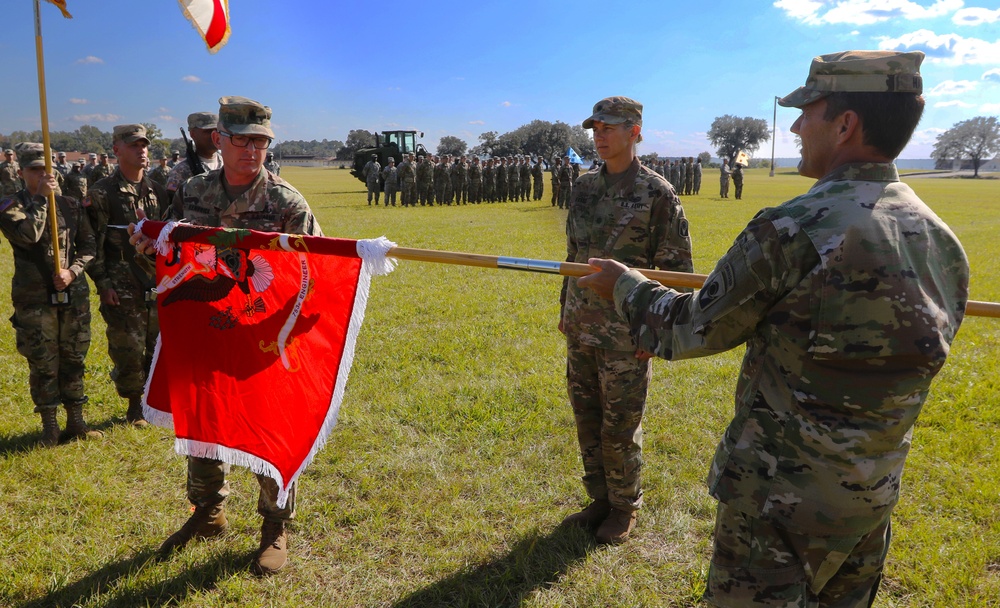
(425, 181)
(724, 173)
(697, 177)
(538, 174)
(9, 181)
(738, 180)
(161, 173)
(441, 180)
(175, 157)
(51, 298)
(631, 214)
(513, 179)
(500, 173)
(459, 181)
(240, 195)
(270, 164)
(847, 299)
(372, 172)
(489, 180)
(475, 181)
(101, 170)
(525, 178)
(201, 125)
(565, 183)
(90, 166)
(689, 176)
(124, 280)
(391, 180)
(554, 169)
(408, 178)
(61, 165)
(76, 183)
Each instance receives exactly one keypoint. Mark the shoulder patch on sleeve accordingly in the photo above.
(6, 202)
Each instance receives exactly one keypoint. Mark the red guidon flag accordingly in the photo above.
(210, 18)
(62, 7)
(257, 335)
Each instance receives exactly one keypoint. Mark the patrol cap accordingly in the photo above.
(92, 155)
(129, 133)
(61, 155)
(8, 151)
(615, 111)
(242, 116)
(391, 159)
(29, 154)
(202, 120)
(174, 153)
(858, 72)
(104, 154)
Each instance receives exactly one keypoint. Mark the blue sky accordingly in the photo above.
(462, 68)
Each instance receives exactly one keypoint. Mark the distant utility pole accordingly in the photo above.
(774, 130)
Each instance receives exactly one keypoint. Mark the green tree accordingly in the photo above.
(976, 139)
(450, 144)
(730, 134)
(705, 158)
(356, 139)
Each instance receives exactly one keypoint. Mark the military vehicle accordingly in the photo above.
(389, 143)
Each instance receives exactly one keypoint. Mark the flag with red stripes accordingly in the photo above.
(210, 18)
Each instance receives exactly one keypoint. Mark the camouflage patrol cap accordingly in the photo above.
(174, 153)
(242, 116)
(615, 111)
(858, 72)
(92, 155)
(8, 151)
(202, 120)
(391, 159)
(61, 155)
(129, 133)
(30, 154)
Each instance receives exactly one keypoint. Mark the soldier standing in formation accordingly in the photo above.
(513, 179)
(500, 171)
(724, 178)
(76, 182)
(391, 180)
(554, 168)
(697, 177)
(407, 177)
(201, 126)
(489, 181)
(61, 165)
(689, 177)
(538, 174)
(9, 180)
(441, 180)
(175, 157)
(161, 173)
(738, 180)
(270, 164)
(565, 183)
(51, 298)
(90, 166)
(459, 181)
(834, 377)
(101, 170)
(372, 172)
(475, 178)
(262, 201)
(125, 280)
(525, 179)
(629, 213)
(425, 181)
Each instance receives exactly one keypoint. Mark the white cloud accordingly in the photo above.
(90, 59)
(952, 87)
(855, 33)
(97, 117)
(992, 75)
(166, 118)
(990, 108)
(477, 122)
(945, 48)
(864, 12)
(954, 102)
(506, 104)
(975, 16)
(191, 79)
(79, 101)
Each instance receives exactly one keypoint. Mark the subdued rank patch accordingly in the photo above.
(721, 283)
(682, 227)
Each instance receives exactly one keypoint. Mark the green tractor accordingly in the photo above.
(389, 144)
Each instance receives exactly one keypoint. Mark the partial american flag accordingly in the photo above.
(210, 18)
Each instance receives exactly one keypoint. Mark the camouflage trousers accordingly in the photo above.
(425, 193)
(500, 195)
(697, 185)
(607, 390)
(555, 192)
(488, 189)
(475, 191)
(724, 187)
(525, 190)
(373, 190)
(409, 192)
(539, 188)
(207, 486)
(738, 185)
(755, 563)
(132, 328)
(390, 194)
(55, 341)
(565, 191)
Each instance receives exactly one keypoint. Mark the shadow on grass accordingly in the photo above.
(19, 444)
(109, 587)
(534, 562)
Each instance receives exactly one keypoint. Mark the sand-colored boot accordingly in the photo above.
(617, 527)
(273, 552)
(205, 522)
(76, 427)
(134, 414)
(591, 516)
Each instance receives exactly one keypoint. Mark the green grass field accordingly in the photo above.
(455, 456)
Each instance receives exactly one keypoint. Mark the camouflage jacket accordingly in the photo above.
(425, 172)
(405, 171)
(10, 183)
(76, 185)
(271, 204)
(565, 174)
(537, 171)
(114, 201)
(848, 298)
(181, 172)
(99, 172)
(459, 174)
(273, 167)
(24, 220)
(371, 171)
(63, 168)
(475, 173)
(638, 221)
(441, 173)
(500, 172)
(525, 173)
(390, 176)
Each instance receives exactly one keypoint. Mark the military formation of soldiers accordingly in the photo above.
(684, 174)
(454, 179)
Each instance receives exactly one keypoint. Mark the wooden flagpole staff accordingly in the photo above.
(570, 269)
(53, 219)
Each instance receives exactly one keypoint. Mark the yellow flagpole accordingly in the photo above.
(53, 220)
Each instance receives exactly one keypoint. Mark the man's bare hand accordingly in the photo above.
(603, 281)
(110, 297)
(142, 243)
(63, 278)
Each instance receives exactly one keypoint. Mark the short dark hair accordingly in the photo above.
(887, 119)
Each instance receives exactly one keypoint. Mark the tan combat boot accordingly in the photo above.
(205, 522)
(591, 516)
(273, 552)
(617, 527)
(134, 414)
(50, 427)
(76, 427)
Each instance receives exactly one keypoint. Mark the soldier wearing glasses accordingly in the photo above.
(242, 194)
